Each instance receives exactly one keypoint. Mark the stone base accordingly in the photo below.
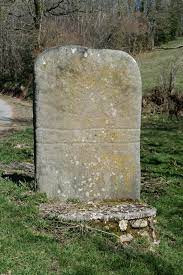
(126, 220)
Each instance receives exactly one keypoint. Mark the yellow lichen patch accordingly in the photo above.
(122, 165)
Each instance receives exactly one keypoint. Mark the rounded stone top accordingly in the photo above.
(84, 52)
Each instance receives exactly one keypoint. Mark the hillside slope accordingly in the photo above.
(156, 63)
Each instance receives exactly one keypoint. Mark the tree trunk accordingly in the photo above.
(38, 11)
(38, 14)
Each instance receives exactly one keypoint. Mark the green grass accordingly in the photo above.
(154, 64)
(31, 245)
(11, 152)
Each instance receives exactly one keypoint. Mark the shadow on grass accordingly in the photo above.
(20, 179)
(162, 123)
(15, 120)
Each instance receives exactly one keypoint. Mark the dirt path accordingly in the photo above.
(15, 114)
(6, 115)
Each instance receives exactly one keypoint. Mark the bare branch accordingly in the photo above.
(24, 30)
(54, 7)
(65, 13)
(169, 48)
(15, 15)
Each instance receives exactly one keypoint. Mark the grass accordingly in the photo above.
(10, 151)
(31, 245)
(154, 64)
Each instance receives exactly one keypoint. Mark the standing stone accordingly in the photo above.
(87, 124)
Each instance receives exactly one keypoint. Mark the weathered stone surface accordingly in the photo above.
(126, 238)
(123, 224)
(141, 223)
(87, 124)
(100, 211)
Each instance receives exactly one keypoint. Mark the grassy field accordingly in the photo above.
(156, 63)
(31, 245)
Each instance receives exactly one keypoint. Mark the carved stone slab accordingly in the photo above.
(87, 124)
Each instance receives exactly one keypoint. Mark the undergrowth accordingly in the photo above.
(32, 245)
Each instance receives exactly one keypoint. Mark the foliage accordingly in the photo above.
(165, 97)
(28, 27)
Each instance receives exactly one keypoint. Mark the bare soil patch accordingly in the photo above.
(22, 115)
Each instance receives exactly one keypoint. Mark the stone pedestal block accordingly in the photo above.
(126, 221)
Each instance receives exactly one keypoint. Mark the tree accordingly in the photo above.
(175, 18)
(29, 26)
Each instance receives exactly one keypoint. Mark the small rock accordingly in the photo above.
(21, 146)
(139, 223)
(152, 223)
(123, 225)
(156, 242)
(126, 238)
(154, 236)
(18, 146)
